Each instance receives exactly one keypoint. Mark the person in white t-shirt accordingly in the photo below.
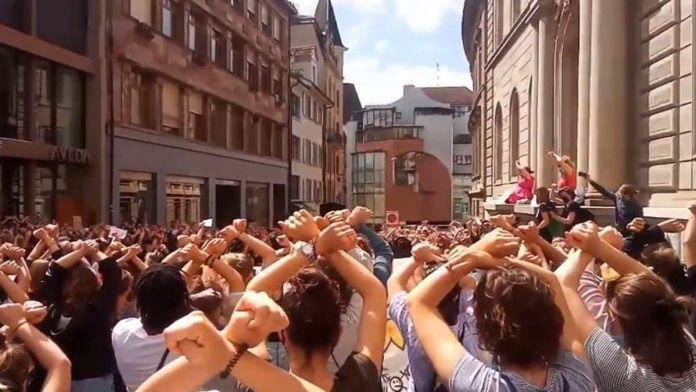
(139, 347)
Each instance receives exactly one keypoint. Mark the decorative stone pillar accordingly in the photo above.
(584, 65)
(544, 104)
(607, 131)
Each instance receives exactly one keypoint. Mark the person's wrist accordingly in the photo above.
(16, 325)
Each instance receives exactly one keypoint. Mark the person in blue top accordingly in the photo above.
(626, 206)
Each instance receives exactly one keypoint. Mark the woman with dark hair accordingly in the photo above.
(573, 213)
(312, 302)
(659, 351)
(81, 291)
(521, 317)
(547, 226)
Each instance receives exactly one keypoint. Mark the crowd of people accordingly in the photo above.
(483, 305)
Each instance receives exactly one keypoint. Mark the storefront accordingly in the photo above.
(41, 180)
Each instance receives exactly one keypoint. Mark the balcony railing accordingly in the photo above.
(388, 133)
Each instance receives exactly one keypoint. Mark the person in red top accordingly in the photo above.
(569, 176)
(524, 190)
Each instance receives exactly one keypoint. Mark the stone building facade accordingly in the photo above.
(607, 82)
(201, 109)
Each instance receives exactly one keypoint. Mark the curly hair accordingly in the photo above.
(517, 318)
(312, 305)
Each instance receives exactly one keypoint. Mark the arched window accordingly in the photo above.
(498, 145)
(499, 19)
(515, 11)
(514, 131)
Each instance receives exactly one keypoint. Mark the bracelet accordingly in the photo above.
(241, 350)
(15, 329)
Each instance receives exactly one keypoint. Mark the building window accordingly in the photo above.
(142, 11)
(378, 118)
(499, 21)
(467, 159)
(276, 27)
(236, 60)
(368, 180)
(251, 136)
(515, 11)
(218, 118)
(171, 108)
(253, 76)
(196, 128)
(308, 106)
(308, 188)
(459, 159)
(266, 79)
(296, 148)
(296, 106)
(218, 49)
(314, 73)
(279, 141)
(257, 203)
(142, 89)
(278, 85)
(266, 137)
(196, 35)
(251, 10)
(265, 20)
(237, 128)
(307, 156)
(294, 187)
(498, 145)
(168, 17)
(514, 132)
(405, 170)
(460, 110)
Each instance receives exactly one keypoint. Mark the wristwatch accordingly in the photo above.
(308, 251)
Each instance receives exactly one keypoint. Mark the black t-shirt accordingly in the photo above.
(544, 207)
(581, 215)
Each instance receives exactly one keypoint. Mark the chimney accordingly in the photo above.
(408, 87)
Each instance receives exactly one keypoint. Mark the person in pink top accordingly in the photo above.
(524, 190)
(569, 176)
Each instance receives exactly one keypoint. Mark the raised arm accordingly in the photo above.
(689, 240)
(47, 353)
(373, 320)
(567, 220)
(272, 278)
(602, 190)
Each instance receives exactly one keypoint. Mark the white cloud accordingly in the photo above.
(381, 45)
(379, 83)
(305, 7)
(424, 16)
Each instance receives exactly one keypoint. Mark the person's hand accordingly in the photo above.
(215, 247)
(671, 226)
(636, 225)
(192, 252)
(196, 338)
(34, 311)
(41, 234)
(426, 252)
(584, 236)
(499, 243)
(529, 233)
(10, 268)
(91, 247)
(133, 250)
(613, 237)
(359, 216)
(474, 259)
(12, 315)
(52, 230)
(229, 233)
(14, 252)
(283, 241)
(255, 317)
(338, 236)
(300, 226)
(240, 225)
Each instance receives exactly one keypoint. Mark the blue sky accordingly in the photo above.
(396, 42)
